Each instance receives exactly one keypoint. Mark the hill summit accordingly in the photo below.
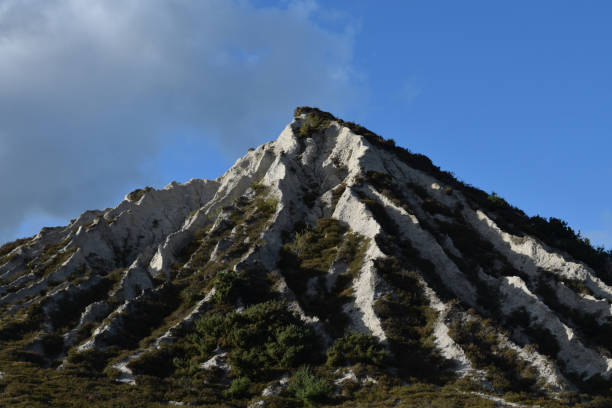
(328, 267)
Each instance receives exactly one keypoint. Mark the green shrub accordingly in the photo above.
(263, 337)
(69, 307)
(239, 388)
(505, 370)
(305, 385)
(308, 258)
(90, 360)
(356, 348)
(497, 201)
(157, 362)
(312, 124)
(147, 314)
(17, 327)
(228, 286)
(312, 252)
(266, 206)
(138, 193)
(336, 194)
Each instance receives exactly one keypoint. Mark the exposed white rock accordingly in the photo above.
(527, 254)
(577, 357)
(277, 387)
(429, 248)
(125, 373)
(200, 308)
(502, 402)
(134, 281)
(352, 211)
(217, 361)
(449, 349)
(348, 375)
(92, 313)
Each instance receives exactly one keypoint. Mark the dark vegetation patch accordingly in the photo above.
(336, 194)
(477, 254)
(52, 343)
(68, 308)
(308, 258)
(408, 322)
(248, 286)
(89, 362)
(356, 348)
(479, 340)
(313, 123)
(386, 185)
(143, 315)
(592, 333)
(26, 321)
(306, 386)
(157, 362)
(542, 339)
(262, 341)
(82, 383)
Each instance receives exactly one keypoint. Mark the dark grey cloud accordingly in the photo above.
(91, 90)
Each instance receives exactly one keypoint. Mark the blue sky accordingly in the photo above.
(513, 97)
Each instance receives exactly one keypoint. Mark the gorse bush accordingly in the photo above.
(229, 285)
(308, 387)
(262, 338)
(239, 388)
(157, 362)
(312, 124)
(356, 348)
(266, 206)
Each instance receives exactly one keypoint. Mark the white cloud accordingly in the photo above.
(92, 89)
